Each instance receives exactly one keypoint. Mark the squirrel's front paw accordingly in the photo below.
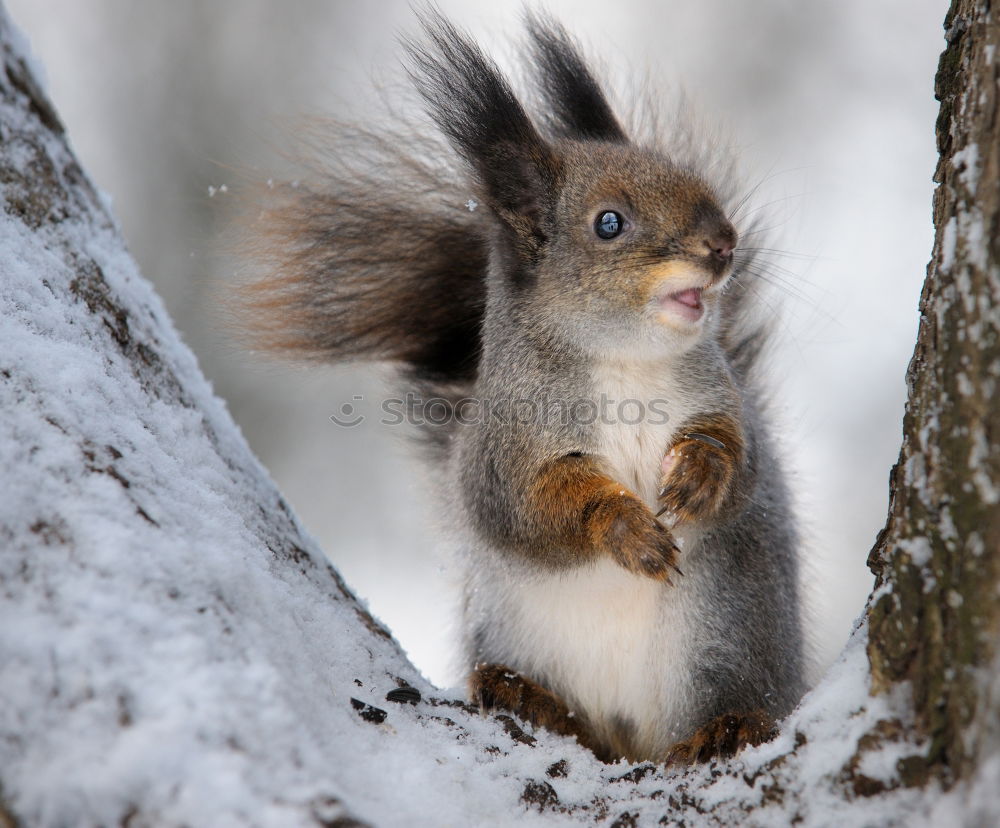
(628, 531)
(698, 476)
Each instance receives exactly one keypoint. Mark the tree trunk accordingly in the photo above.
(936, 621)
(174, 650)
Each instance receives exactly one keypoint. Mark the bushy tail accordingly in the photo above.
(379, 258)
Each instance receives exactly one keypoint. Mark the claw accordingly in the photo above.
(705, 438)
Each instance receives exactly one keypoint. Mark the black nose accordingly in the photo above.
(721, 242)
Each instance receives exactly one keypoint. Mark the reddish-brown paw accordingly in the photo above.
(699, 472)
(624, 528)
(723, 737)
(496, 687)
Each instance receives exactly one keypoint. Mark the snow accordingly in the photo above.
(919, 550)
(176, 650)
(824, 733)
(966, 162)
(972, 228)
(949, 240)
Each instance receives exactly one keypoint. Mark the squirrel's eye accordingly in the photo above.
(608, 224)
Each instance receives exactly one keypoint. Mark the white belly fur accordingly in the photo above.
(614, 645)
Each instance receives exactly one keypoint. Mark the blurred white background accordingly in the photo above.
(830, 103)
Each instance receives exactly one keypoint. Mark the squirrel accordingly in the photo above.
(630, 579)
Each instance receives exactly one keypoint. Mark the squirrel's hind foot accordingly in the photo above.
(723, 737)
(497, 687)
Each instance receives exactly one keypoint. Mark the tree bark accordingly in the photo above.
(175, 650)
(935, 621)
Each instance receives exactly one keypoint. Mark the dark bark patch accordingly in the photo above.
(636, 775)
(627, 819)
(513, 729)
(540, 795)
(558, 770)
(375, 715)
(51, 532)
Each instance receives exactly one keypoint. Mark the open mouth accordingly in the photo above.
(685, 303)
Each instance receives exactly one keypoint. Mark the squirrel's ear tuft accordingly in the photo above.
(576, 105)
(475, 107)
